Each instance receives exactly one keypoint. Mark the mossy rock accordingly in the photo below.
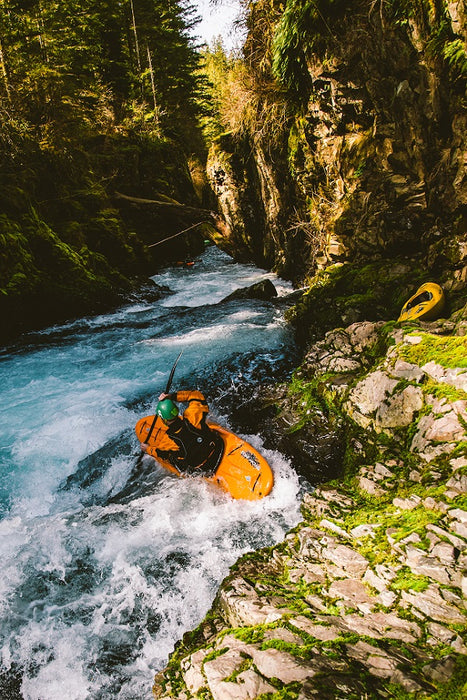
(344, 294)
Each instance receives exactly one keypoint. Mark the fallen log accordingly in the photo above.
(170, 205)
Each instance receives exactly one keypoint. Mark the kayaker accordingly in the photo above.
(185, 440)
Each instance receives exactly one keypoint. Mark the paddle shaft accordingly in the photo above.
(167, 389)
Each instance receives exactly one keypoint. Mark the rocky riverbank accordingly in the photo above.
(365, 597)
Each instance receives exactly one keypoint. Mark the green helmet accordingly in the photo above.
(167, 410)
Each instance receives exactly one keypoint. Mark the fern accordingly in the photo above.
(454, 53)
(305, 27)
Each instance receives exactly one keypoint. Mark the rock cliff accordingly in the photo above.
(365, 597)
(359, 152)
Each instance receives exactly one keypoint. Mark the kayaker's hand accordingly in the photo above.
(163, 396)
(144, 446)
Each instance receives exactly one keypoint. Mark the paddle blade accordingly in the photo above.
(172, 372)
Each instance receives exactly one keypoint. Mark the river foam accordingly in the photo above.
(104, 570)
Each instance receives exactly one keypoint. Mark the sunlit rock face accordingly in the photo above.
(372, 167)
(375, 574)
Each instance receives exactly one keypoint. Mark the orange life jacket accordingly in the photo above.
(187, 442)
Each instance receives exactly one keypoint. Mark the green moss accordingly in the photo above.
(289, 692)
(214, 654)
(406, 581)
(444, 391)
(447, 351)
(244, 666)
(250, 635)
(297, 650)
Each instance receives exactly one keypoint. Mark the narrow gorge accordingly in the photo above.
(344, 168)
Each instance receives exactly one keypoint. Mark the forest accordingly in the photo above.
(96, 98)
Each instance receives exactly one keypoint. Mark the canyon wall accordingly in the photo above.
(364, 155)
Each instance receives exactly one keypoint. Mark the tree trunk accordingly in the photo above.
(153, 86)
(138, 57)
(4, 73)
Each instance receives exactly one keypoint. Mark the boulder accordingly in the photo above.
(264, 290)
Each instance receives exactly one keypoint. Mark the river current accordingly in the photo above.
(105, 568)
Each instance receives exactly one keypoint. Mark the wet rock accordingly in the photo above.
(446, 430)
(407, 370)
(445, 552)
(343, 501)
(459, 528)
(309, 542)
(380, 584)
(440, 671)
(458, 514)
(407, 503)
(440, 633)
(314, 446)
(365, 530)
(398, 411)
(273, 663)
(454, 377)
(415, 475)
(325, 632)
(308, 572)
(370, 393)
(370, 487)
(423, 565)
(282, 634)
(363, 335)
(247, 684)
(329, 525)
(192, 670)
(381, 625)
(458, 483)
(264, 290)
(382, 664)
(241, 605)
(459, 543)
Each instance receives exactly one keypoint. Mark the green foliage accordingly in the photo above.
(303, 29)
(441, 42)
(311, 27)
(456, 56)
(95, 96)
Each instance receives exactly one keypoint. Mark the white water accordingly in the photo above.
(97, 588)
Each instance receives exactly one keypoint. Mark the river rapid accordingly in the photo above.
(104, 567)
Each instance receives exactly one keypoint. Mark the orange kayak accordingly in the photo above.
(243, 471)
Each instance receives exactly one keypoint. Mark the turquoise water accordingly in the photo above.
(104, 569)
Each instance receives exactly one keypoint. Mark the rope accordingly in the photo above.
(177, 234)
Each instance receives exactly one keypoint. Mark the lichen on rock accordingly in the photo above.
(370, 588)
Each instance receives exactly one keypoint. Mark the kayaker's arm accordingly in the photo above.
(197, 408)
